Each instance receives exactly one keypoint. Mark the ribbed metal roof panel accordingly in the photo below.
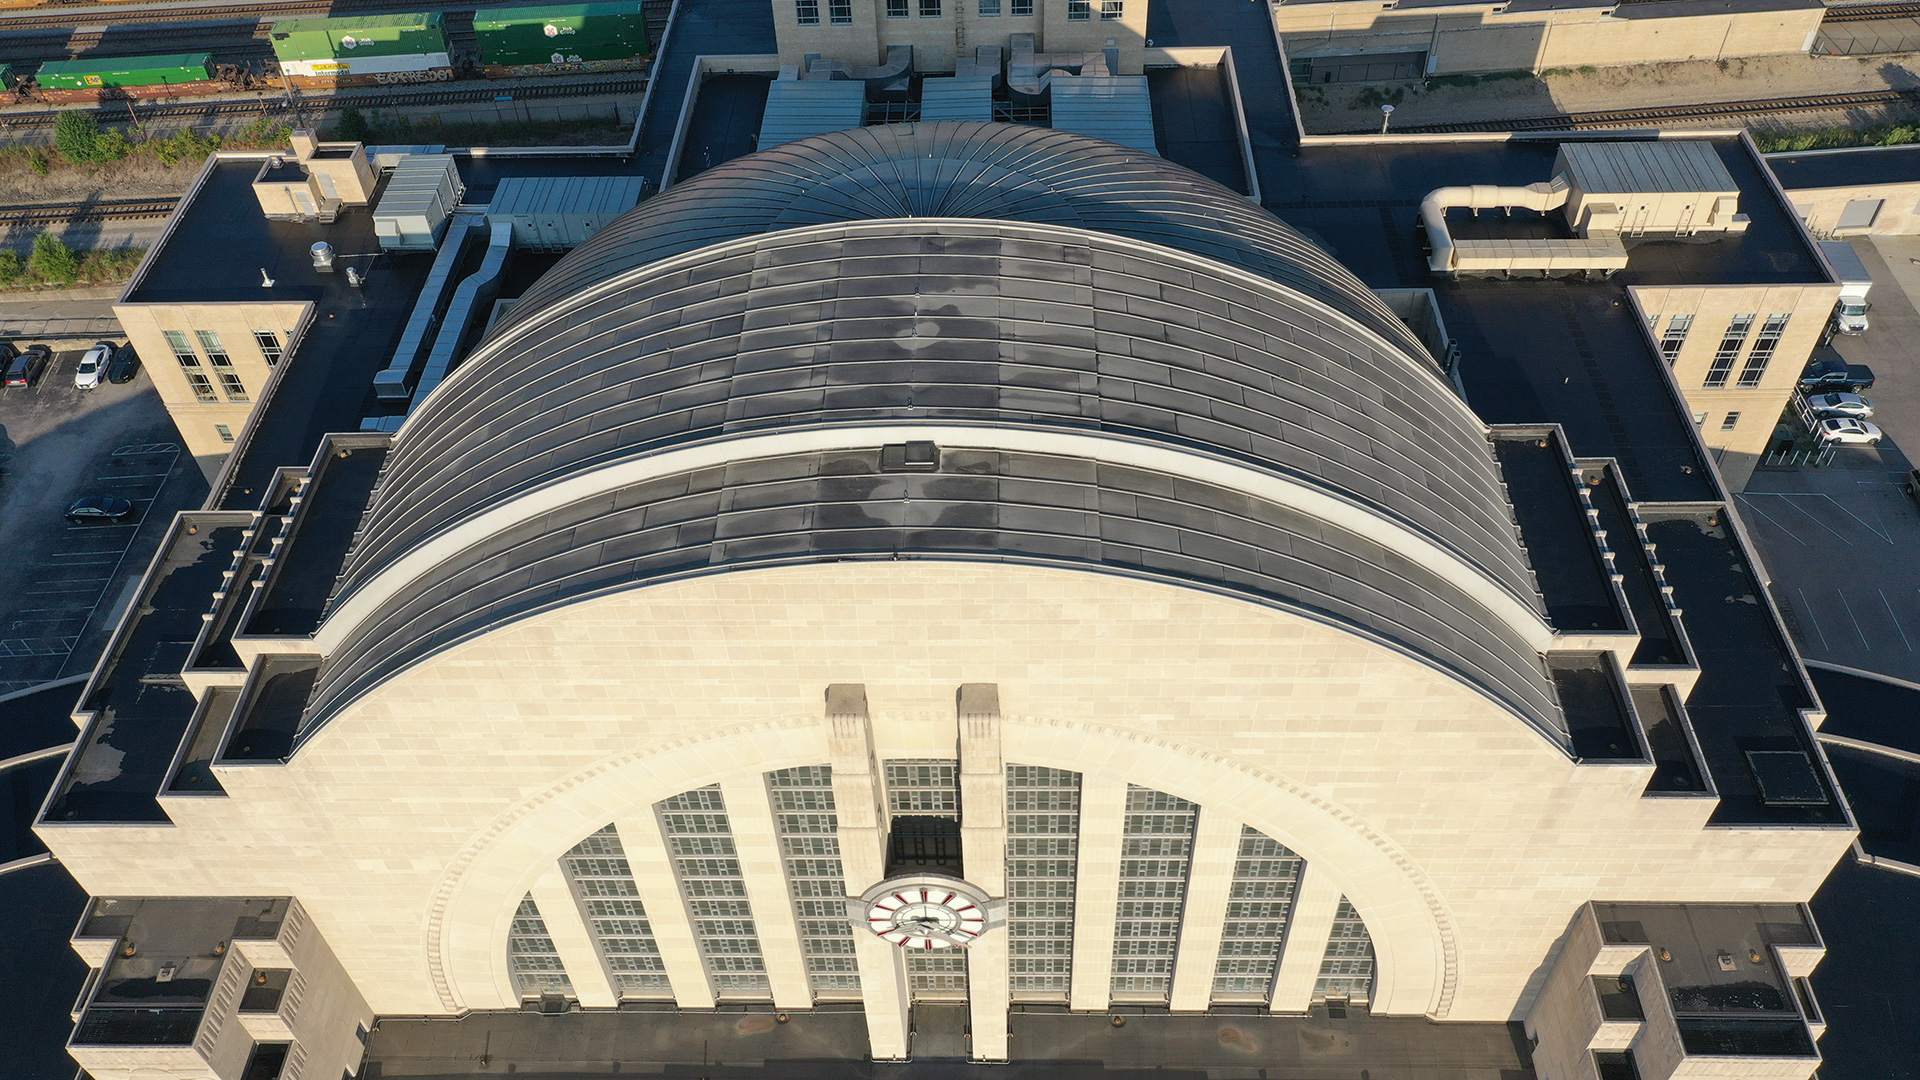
(1111, 107)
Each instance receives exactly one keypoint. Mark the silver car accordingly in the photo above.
(1846, 431)
(93, 367)
(1831, 405)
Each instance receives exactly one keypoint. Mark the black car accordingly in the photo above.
(124, 365)
(1836, 375)
(26, 367)
(98, 508)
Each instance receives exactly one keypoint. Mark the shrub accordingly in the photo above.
(353, 126)
(53, 261)
(39, 163)
(184, 145)
(11, 268)
(80, 141)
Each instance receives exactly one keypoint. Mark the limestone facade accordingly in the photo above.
(940, 30)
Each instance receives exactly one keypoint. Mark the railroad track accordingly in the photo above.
(274, 101)
(1654, 117)
(63, 213)
(1861, 12)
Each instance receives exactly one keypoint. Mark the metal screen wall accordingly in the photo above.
(804, 819)
(1155, 856)
(1043, 846)
(602, 879)
(700, 842)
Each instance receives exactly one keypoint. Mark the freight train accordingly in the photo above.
(368, 50)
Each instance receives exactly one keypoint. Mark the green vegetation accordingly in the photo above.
(1490, 77)
(353, 126)
(78, 137)
(1778, 142)
(1373, 97)
(53, 263)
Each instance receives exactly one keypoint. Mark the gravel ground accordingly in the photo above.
(1356, 106)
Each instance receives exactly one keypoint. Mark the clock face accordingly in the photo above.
(924, 917)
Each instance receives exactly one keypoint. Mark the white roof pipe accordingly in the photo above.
(1544, 196)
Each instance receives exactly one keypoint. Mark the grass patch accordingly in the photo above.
(1786, 142)
(53, 264)
(1491, 77)
(81, 145)
(380, 127)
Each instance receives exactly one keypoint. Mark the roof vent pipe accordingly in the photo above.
(322, 253)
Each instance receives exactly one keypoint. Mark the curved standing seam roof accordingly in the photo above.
(963, 321)
(981, 504)
(1009, 172)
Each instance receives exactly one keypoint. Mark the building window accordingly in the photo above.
(1675, 337)
(808, 12)
(929, 9)
(1155, 854)
(1258, 906)
(1764, 345)
(225, 432)
(897, 9)
(989, 8)
(1043, 848)
(1112, 9)
(700, 842)
(1020, 7)
(190, 365)
(808, 828)
(1732, 421)
(531, 957)
(923, 786)
(269, 343)
(603, 882)
(1079, 10)
(1729, 350)
(1346, 971)
(840, 12)
(216, 352)
(1699, 419)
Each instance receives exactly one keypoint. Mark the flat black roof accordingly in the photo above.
(1848, 168)
(1574, 579)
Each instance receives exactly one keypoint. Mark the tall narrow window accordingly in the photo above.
(1347, 969)
(1020, 7)
(1079, 10)
(1731, 421)
(923, 786)
(269, 343)
(807, 11)
(225, 432)
(222, 365)
(897, 9)
(1258, 908)
(1764, 346)
(804, 818)
(1156, 852)
(1043, 848)
(1675, 337)
(929, 9)
(840, 12)
(190, 365)
(531, 957)
(923, 798)
(603, 881)
(1112, 9)
(700, 841)
(1729, 351)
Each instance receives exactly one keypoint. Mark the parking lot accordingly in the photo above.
(61, 584)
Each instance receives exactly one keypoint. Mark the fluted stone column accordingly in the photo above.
(1216, 847)
(1315, 902)
(750, 816)
(659, 888)
(863, 858)
(573, 940)
(1103, 808)
(983, 846)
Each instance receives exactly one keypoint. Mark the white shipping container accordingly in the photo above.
(365, 65)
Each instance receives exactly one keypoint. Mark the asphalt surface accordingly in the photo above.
(60, 584)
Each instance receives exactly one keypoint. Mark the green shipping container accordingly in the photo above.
(348, 38)
(86, 74)
(563, 33)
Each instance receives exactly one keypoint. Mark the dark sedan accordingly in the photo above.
(98, 508)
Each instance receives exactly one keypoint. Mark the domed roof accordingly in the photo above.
(1007, 172)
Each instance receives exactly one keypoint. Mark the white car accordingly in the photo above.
(93, 367)
(1829, 405)
(1847, 431)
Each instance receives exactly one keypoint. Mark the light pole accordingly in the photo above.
(1386, 117)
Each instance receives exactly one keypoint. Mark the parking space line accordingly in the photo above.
(1896, 621)
(1858, 518)
(1815, 518)
(1769, 518)
(1856, 620)
(1824, 647)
